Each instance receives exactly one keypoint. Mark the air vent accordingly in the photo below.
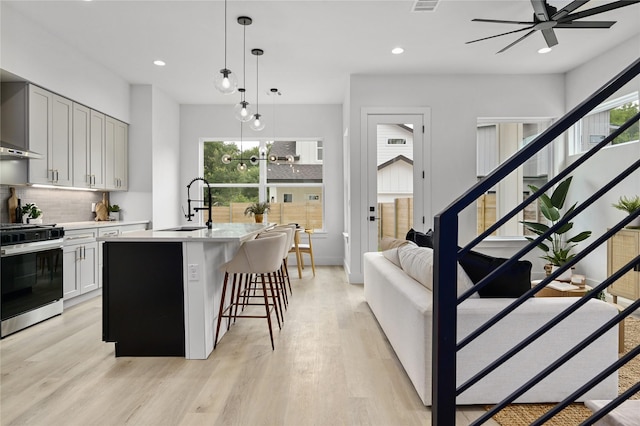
(425, 5)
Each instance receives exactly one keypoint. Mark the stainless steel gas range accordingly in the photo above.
(31, 286)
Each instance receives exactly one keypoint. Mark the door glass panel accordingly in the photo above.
(394, 179)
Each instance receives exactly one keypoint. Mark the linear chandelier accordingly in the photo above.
(242, 162)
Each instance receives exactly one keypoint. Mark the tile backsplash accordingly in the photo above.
(57, 205)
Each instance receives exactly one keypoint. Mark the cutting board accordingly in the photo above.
(12, 205)
(102, 210)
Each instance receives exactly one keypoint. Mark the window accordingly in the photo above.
(289, 175)
(602, 121)
(497, 141)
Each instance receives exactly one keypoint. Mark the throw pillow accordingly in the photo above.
(420, 238)
(513, 282)
(417, 262)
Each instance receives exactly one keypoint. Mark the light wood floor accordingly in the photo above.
(332, 365)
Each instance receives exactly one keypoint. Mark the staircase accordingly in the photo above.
(447, 253)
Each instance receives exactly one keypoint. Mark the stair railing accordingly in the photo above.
(447, 253)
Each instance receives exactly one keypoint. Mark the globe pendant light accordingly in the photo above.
(225, 81)
(242, 110)
(257, 123)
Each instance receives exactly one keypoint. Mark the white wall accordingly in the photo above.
(291, 122)
(38, 56)
(580, 83)
(166, 164)
(154, 153)
(456, 101)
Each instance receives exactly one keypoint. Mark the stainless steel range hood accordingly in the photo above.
(12, 152)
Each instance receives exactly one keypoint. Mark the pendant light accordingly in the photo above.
(257, 123)
(242, 110)
(225, 81)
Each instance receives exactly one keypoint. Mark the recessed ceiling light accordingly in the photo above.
(397, 50)
(159, 63)
(544, 50)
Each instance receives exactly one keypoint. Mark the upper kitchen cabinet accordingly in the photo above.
(116, 140)
(50, 133)
(88, 147)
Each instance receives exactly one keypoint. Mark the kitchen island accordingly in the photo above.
(162, 288)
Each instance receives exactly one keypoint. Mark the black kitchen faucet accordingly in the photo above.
(189, 215)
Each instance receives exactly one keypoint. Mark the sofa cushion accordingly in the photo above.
(417, 262)
(420, 238)
(513, 282)
(392, 253)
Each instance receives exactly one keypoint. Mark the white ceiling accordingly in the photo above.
(311, 47)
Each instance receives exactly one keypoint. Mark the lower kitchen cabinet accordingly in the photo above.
(80, 263)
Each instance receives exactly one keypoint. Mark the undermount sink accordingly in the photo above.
(185, 228)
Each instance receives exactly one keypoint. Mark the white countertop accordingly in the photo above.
(89, 224)
(221, 232)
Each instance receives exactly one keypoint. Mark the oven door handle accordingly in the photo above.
(32, 247)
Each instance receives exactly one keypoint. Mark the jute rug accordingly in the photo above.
(574, 414)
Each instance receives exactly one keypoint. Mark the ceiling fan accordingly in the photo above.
(546, 18)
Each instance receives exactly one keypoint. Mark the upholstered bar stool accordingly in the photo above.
(261, 257)
(290, 230)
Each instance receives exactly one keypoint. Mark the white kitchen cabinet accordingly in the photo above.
(80, 263)
(50, 134)
(116, 154)
(88, 147)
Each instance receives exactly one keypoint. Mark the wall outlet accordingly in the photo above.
(194, 272)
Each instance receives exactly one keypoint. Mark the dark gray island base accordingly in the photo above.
(143, 298)
(162, 288)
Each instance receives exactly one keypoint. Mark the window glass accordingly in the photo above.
(602, 121)
(288, 174)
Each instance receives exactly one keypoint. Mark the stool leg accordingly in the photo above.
(266, 307)
(275, 296)
(224, 290)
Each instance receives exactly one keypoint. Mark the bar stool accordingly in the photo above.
(290, 230)
(262, 257)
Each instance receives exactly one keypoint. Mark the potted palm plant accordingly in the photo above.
(629, 205)
(257, 210)
(557, 248)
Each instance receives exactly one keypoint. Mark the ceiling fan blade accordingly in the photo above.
(500, 21)
(550, 37)
(499, 35)
(517, 41)
(598, 9)
(540, 10)
(586, 24)
(568, 9)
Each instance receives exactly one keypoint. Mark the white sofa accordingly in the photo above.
(403, 308)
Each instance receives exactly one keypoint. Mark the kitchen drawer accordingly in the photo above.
(79, 236)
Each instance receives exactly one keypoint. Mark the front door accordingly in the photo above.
(397, 177)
